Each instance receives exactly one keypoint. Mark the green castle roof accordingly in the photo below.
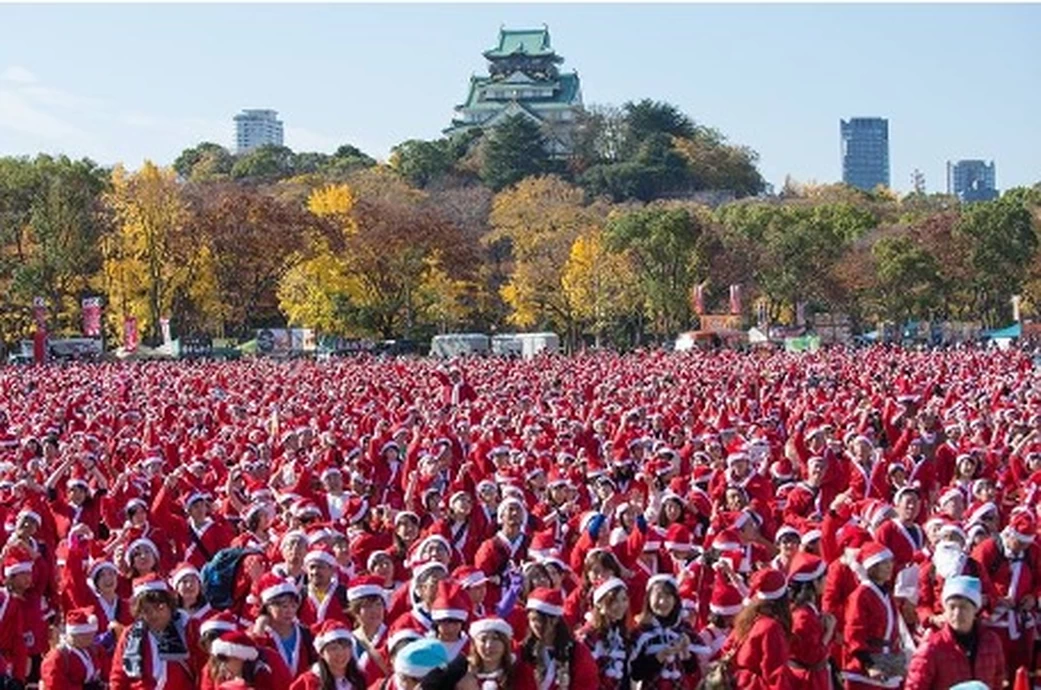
(531, 42)
(565, 96)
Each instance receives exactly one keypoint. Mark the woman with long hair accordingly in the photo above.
(812, 630)
(492, 659)
(665, 648)
(598, 565)
(336, 668)
(187, 583)
(550, 652)
(606, 634)
(759, 642)
(235, 655)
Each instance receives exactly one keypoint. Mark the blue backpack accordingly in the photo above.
(219, 575)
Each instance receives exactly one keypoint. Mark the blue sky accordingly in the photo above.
(128, 82)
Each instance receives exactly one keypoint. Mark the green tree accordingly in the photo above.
(265, 164)
(515, 149)
(908, 278)
(420, 162)
(203, 162)
(1004, 240)
(661, 241)
(647, 118)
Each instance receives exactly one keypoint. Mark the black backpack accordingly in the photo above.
(219, 575)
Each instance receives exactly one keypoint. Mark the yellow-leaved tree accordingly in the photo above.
(541, 217)
(152, 262)
(393, 249)
(601, 286)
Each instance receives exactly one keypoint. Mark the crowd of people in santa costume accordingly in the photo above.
(843, 519)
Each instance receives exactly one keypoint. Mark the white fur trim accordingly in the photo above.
(321, 557)
(449, 615)
(91, 626)
(606, 587)
(278, 590)
(153, 586)
(355, 593)
(236, 651)
(484, 625)
(662, 577)
(216, 625)
(544, 607)
(810, 577)
(881, 556)
(333, 636)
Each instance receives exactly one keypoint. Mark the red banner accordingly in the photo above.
(91, 316)
(130, 334)
(698, 299)
(40, 312)
(735, 299)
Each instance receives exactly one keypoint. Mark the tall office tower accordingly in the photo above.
(865, 152)
(972, 180)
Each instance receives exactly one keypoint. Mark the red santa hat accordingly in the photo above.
(662, 578)
(332, 631)
(785, 531)
(18, 560)
(235, 644)
(805, 567)
(468, 576)
(81, 622)
(726, 599)
(149, 583)
(1021, 527)
(727, 540)
(606, 587)
(365, 586)
(321, 554)
(677, 538)
(768, 584)
(491, 624)
(547, 601)
(182, 571)
(271, 586)
(222, 622)
(873, 553)
(451, 603)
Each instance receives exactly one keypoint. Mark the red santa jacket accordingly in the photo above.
(871, 627)
(68, 668)
(761, 661)
(332, 607)
(14, 655)
(152, 671)
(940, 662)
(809, 654)
(303, 655)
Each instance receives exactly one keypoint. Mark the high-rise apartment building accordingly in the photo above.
(865, 152)
(255, 128)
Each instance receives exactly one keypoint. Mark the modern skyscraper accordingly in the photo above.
(865, 152)
(972, 180)
(254, 128)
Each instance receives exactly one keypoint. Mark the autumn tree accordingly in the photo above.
(600, 285)
(540, 217)
(391, 244)
(254, 238)
(150, 255)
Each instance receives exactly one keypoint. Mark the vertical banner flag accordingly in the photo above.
(164, 326)
(760, 313)
(699, 299)
(1015, 307)
(40, 334)
(130, 334)
(91, 316)
(735, 299)
(800, 313)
